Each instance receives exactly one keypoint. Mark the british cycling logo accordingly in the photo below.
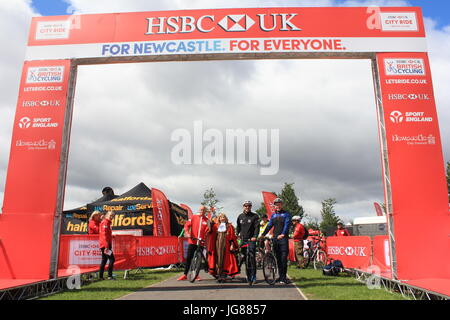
(404, 67)
(46, 74)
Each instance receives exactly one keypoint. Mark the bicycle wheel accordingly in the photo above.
(250, 267)
(320, 260)
(259, 259)
(194, 268)
(270, 268)
(306, 259)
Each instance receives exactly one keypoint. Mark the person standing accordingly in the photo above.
(105, 240)
(94, 222)
(221, 259)
(280, 221)
(195, 228)
(247, 229)
(341, 231)
(298, 236)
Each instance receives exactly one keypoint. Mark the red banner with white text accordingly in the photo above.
(354, 252)
(269, 198)
(157, 251)
(161, 213)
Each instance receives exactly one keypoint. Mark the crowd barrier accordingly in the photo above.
(82, 252)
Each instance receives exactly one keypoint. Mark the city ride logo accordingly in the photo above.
(229, 23)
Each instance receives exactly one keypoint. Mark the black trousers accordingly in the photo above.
(281, 248)
(105, 258)
(190, 254)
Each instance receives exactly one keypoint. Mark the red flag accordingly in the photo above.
(186, 207)
(161, 213)
(378, 209)
(269, 198)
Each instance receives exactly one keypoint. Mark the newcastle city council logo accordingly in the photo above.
(24, 123)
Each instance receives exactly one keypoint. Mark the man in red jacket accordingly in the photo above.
(341, 231)
(195, 228)
(105, 240)
(299, 234)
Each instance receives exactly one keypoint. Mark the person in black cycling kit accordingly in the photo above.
(280, 221)
(247, 228)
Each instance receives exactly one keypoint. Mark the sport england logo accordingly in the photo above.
(45, 74)
(404, 67)
(24, 123)
(398, 117)
(229, 23)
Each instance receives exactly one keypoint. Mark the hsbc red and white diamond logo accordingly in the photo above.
(24, 123)
(236, 22)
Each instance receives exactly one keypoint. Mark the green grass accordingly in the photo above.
(316, 286)
(109, 289)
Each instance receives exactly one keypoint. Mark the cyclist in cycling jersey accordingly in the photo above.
(247, 228)
(280, 221)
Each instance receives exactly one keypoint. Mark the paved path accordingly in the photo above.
(209, 289)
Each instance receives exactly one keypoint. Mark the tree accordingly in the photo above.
(448, 180)
(210, 200)
(310, 222)
(290, 200)
(262, 210)
(329, 218)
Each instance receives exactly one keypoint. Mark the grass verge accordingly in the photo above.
(316, 286)
(113, 289)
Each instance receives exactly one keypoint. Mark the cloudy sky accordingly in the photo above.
(124, 115)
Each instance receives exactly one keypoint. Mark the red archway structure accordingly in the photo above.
(392, 38)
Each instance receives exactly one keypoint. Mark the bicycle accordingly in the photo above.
(196, 262)
(315, 254)
(270, 267)
(247, 257)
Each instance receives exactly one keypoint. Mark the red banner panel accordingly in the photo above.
(161, 213)
(381, 253)
(416, 166)
(354, 252)
(83, 251)
(157, 251)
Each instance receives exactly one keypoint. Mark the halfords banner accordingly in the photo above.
(354, 252)
(218, 31)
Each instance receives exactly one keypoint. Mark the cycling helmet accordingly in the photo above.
(247, 202)
(277, 200)
(296, 218)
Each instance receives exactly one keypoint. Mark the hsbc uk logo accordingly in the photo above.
(398, 117)
(348, 251)
(411, 96)
(229, 23)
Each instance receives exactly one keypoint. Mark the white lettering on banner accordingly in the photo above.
(84, 252)
(404, 67)
(401, 21)
(411, 96)
(420, 139)
(49, 88)
(159, 251)
(26, 123)
(347, 251)
(406, 81)
(50, 30)
(398, 117)
(41, 103)
(45, 74)
(229, 23)
(37, 145)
